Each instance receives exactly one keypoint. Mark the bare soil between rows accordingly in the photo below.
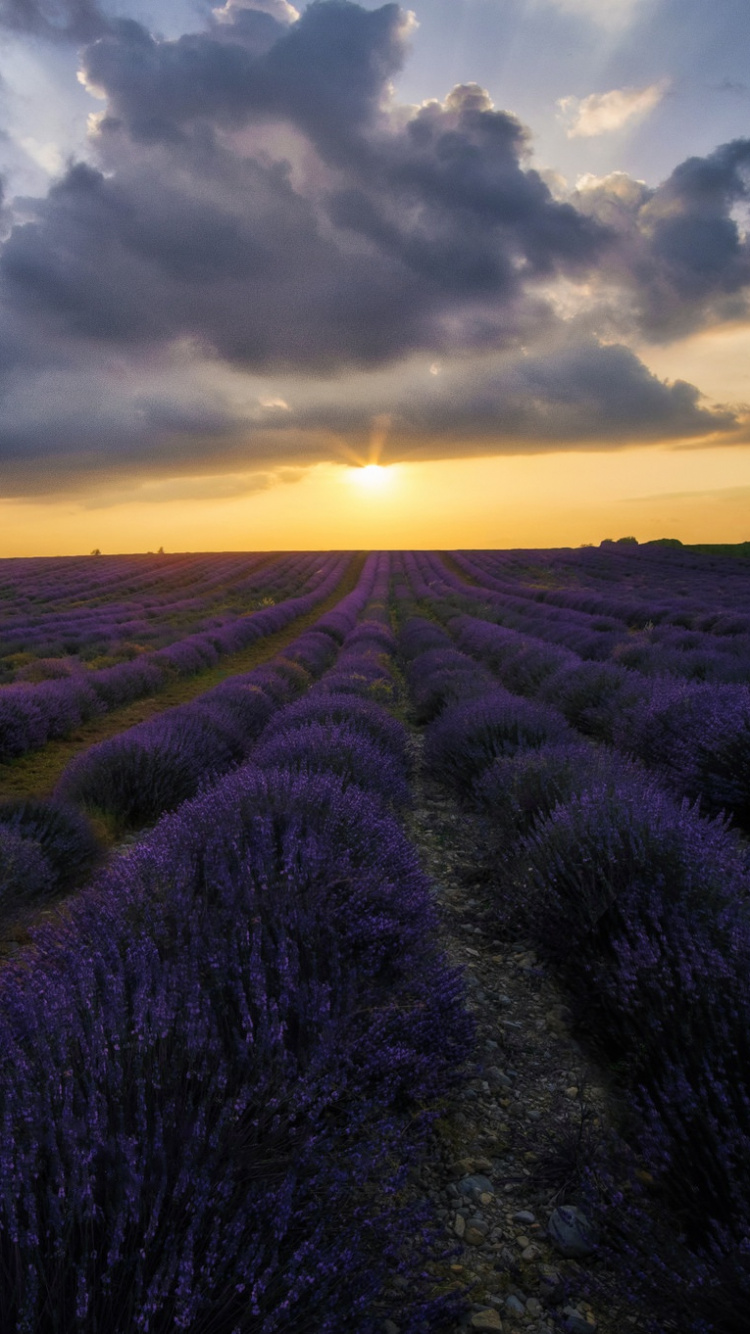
(522, 1121)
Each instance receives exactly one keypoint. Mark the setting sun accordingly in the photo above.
(372, 477)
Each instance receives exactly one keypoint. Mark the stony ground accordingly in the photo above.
(505, 1153)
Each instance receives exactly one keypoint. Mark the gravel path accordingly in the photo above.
(500, 1166)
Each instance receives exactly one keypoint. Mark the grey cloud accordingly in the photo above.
(400, 231)
(422, 235)
(55, 20)
(577, 393)
(326, 73)
(90, 433)
(679, 251)
(203, 245)
(227, 486)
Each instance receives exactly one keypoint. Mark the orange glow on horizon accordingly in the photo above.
(539, 500)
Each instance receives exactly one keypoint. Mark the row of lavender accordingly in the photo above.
(56, 619)
(216, 1077)
(643, 907)
(656, 639)
(32, 714)
(49, 847)
(634, 584)
(696, 737)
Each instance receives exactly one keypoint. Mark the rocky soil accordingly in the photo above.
(508, 1151)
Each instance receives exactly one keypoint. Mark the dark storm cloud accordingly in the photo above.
(224, 252)
(325, 73)
(421, 236)
(680, 251)
(360, 235)
(74, 433)
(55, 20)
(581, 393)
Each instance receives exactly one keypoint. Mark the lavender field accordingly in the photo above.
(230, 1029)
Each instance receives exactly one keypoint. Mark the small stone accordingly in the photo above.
(572, 1092)
(390, 1328)
(524, 1216)
(486, 1319)
(476, 1184)
(530, 1253)
(534, 1307)
(473, 1236)
(578, 1324)
(571, 1232)
(523, 1242)
(514, 1307)
(486, 1197)
(459, 1225)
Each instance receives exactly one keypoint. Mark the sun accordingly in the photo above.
(372, 477)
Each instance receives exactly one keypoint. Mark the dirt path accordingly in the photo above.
(516, 1126)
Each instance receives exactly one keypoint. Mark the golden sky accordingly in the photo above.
(561, 499)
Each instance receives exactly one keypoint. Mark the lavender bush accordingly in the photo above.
(342, 748)
(466, 738)
(25, 873)
(64, 837)
(215, 1077)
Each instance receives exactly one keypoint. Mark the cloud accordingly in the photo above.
(224, 486)
(600, 113)
(574, 393)
(55, 20)
(234, 11)
(423, 233)
(678, 253)
(257, 208)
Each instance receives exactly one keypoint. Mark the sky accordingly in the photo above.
(475, 274)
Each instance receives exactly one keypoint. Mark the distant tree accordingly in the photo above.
(96, 552)
(627, 541)
(160, 552)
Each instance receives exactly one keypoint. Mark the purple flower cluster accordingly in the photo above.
(640, 902)
(54, 612)
(31, 714)
(644, 907)
(653, 638)
(466, 738)
(211, 1080)
(696, 736)
(133, 777)
(634, 585)
(218, 1075)
(60, 833)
